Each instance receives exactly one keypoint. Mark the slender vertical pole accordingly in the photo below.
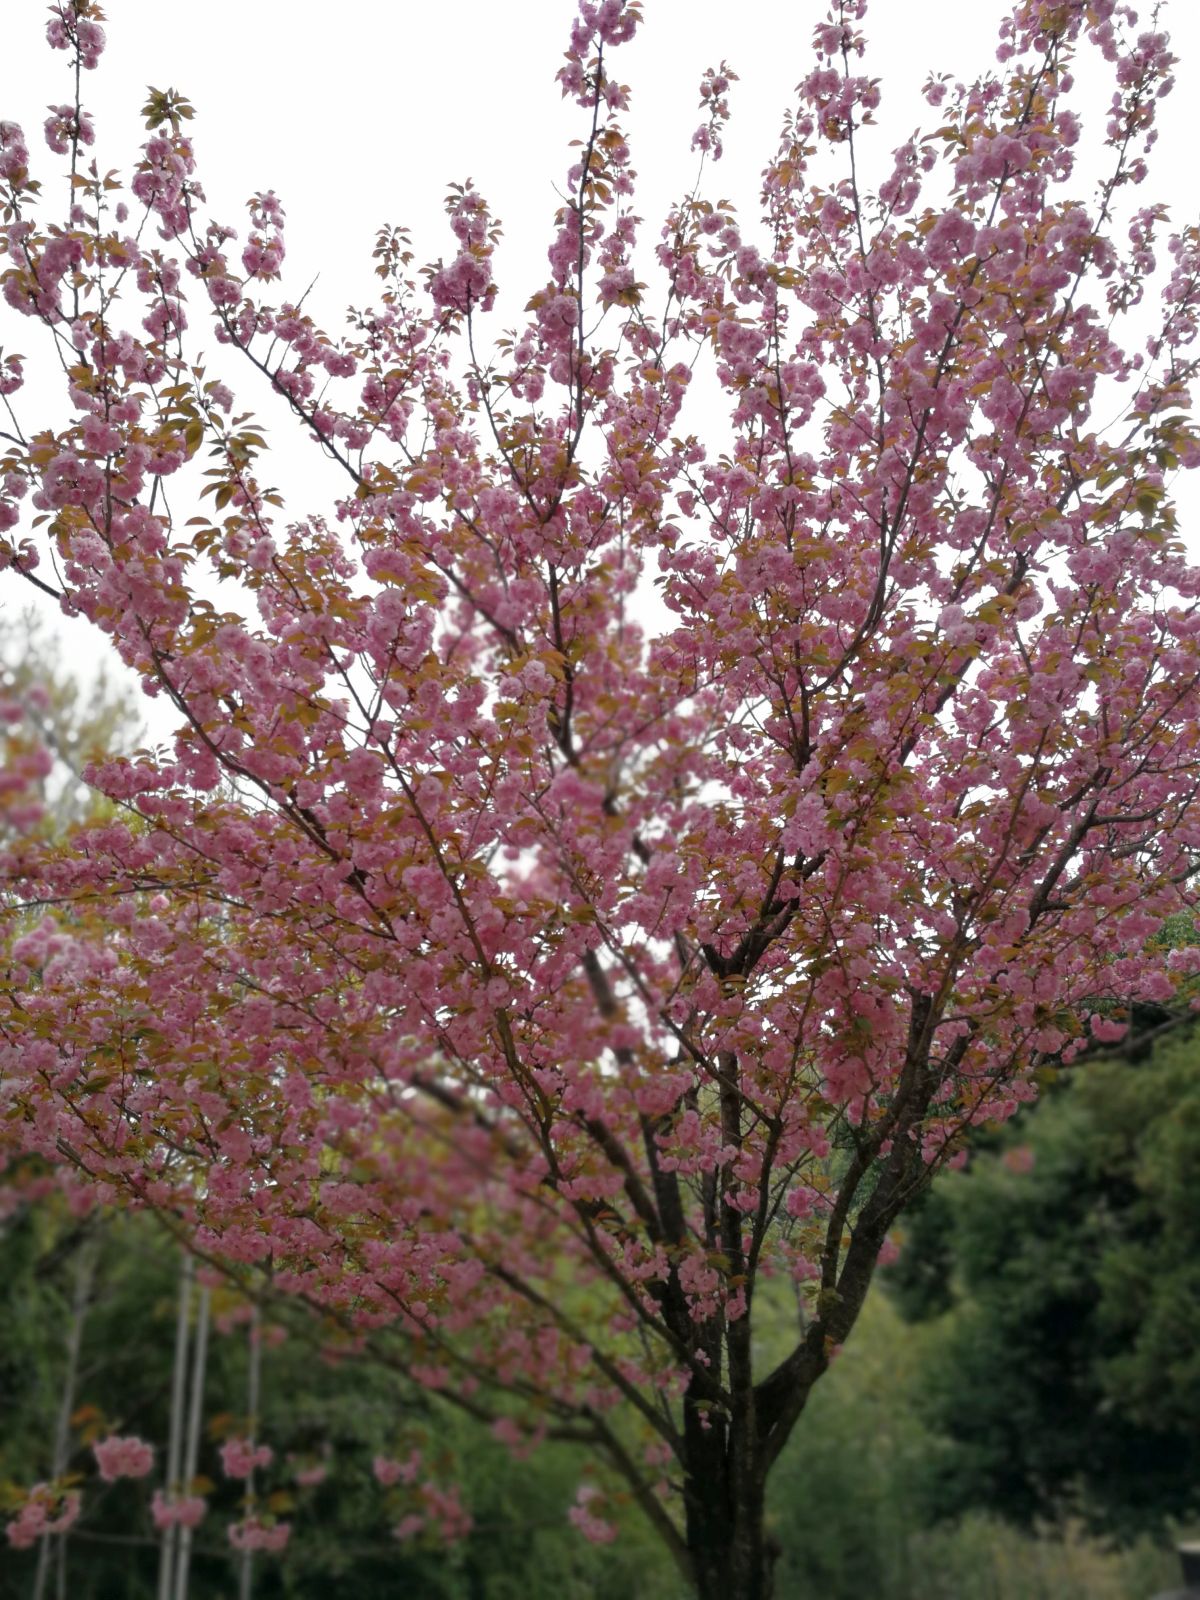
(252, 1403)
(192, 1450)
(60, 1567)
(85, 1268)
(171, 1485)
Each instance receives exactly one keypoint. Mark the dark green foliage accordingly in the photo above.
(851, 1504)
(1066, 1382)
(842, 1499)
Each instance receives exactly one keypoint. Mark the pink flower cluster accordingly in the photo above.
(389, 1472)
(594, 1528)
(64, 125)
(11, 379)
(714, 86)
(239, 1457)
(252, 1533)
(46, 1510)
(14, 154)
(163, 180)
(72, 27)
(182, 1511)
(442, 1513)
(445, 1511)
(119, 1457)
(24, 760)
(465, 284)
(263, 255)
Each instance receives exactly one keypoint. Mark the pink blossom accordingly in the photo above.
(464, 285)
(388, 1471)
(594, 1528)
(1107, 1030)
(254, 1533)
(68, 27)
(119, 1457)
(1020, 1159)
(11, 379)
(63, 125)
(444, 1508)
(508, 1432)
(185, 1511)
(14, 154)
(45, 1511)
(239, 1457)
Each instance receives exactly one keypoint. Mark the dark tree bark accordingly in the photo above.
(725, 1503)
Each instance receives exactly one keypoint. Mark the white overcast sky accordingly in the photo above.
(362, 112)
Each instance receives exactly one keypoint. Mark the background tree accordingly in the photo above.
(541, 980)
(1064, 1384)
(50, 727)
(77, 722)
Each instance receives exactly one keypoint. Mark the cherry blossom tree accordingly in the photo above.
(600, 877)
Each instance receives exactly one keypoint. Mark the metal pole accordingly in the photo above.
(170, 1534)
(192, 1452)
(255, 1382)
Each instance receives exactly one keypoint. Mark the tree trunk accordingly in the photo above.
(732, 1562)
(733, 1557)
